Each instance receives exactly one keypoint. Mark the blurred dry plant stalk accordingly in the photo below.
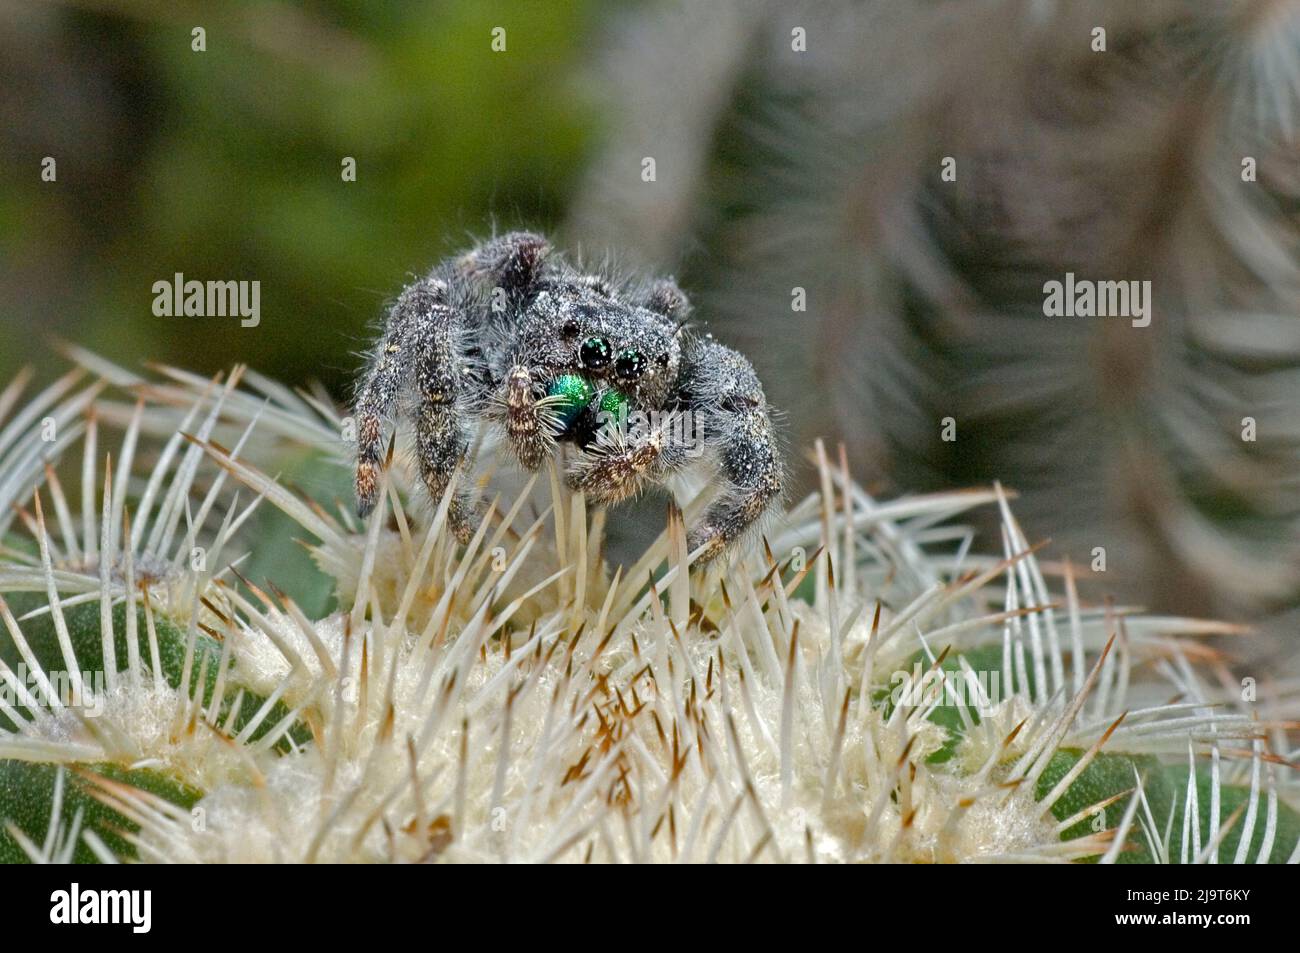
(780, 169)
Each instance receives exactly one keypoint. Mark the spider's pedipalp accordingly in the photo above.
(612, 474)
(530, 422)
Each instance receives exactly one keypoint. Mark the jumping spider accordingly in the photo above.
(512, 335)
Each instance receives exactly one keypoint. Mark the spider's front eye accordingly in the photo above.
(595, 352)
(629, 364)
(570, 328)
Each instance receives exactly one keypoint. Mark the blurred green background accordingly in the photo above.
(226, 164)
(798, 148)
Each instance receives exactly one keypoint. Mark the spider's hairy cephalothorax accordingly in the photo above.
(512, 335)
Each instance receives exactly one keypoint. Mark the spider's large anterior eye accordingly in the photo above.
(595, 352)
(629, 363)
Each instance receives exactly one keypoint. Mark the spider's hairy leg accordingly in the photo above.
(385, 375)
(751, 465)
(512, 262)
(441, 443)
(739, 429)
(666, 298)
(753, 471)
(443, 427)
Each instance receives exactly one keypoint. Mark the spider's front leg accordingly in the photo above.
(386, 376)
(443, 430)
(417, 356)
(734, 417)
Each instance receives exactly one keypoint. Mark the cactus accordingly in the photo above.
(829, 696)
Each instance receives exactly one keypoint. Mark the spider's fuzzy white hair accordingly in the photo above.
(513, 700)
